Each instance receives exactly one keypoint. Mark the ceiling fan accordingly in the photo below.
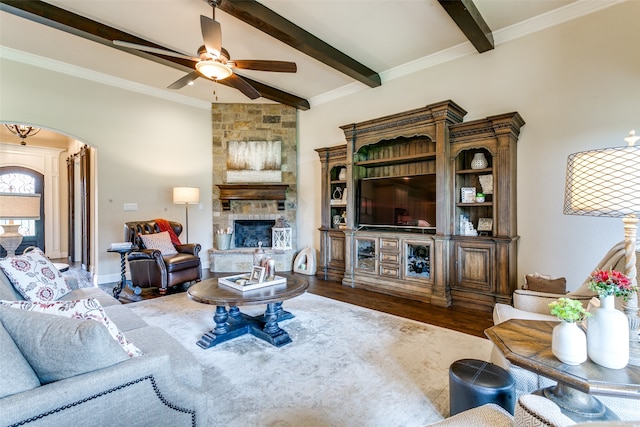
(214, 62)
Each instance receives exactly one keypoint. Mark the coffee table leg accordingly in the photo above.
(234, 315)
(271, 332)
(223, 331)
(220, 318)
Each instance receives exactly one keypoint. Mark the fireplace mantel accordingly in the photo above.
(229, 192)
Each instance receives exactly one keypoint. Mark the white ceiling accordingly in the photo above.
(387, 36)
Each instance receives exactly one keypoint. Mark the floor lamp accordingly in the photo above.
(606, 183)
(16, 206)
(187, 196)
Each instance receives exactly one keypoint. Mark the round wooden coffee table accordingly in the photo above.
(232, 323)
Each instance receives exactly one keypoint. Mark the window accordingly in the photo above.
(19, 183)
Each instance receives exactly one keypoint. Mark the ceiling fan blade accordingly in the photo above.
(182, 82)
(211, 34)
(264, 65)
(154, 50)
(242, 85)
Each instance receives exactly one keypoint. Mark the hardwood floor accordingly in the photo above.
(459, 319)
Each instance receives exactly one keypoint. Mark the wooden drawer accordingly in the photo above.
(389, 244)
(389, 258)
(390, 271)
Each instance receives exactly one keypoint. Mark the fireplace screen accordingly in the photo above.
(249, 232)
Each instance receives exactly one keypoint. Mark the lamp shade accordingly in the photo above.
(19, 206)
(213, 69)
(186, 195)
(603, 182)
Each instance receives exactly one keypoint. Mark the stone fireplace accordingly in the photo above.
(251, 209)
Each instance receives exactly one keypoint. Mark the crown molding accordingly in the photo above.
(550, 19)
(98, 77)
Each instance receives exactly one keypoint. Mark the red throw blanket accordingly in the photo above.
(164, 225)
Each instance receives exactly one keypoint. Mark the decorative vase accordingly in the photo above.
(337, 193)
(608, 335)
(479, 161)
(569, 343)
(342, 175)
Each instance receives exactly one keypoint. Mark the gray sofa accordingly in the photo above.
(158, 388)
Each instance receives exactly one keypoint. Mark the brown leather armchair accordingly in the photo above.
(150, 269)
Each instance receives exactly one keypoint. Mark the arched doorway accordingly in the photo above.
(48, 153)
(21, 180)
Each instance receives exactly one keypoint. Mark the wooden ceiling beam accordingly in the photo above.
(465, 14)
(269, 22)
(61, 19)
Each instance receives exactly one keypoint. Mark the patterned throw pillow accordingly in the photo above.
(34, 276)
(78, 309)
(159, 241)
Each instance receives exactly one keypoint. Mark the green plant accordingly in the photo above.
(569, 310)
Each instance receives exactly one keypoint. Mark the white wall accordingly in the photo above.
(145, 146)
(576, 85)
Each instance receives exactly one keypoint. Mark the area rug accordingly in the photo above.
(346, 366)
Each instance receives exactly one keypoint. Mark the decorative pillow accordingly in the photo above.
(34, 276)
(58, 348)
(159, 241)
(86, 309)
(540, 283)
(16, 373)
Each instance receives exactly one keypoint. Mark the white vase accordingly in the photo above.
(569, 343)
(608, 335)
(479, 161)
(342, 175)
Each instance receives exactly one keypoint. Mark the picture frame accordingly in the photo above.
(257, 274)
(485, 224)
(468, 194)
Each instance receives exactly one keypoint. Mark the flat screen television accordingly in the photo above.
(408, 201)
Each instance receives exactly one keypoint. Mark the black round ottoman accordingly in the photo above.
(474, 382)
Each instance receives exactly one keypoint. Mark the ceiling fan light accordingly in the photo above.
(213, 69)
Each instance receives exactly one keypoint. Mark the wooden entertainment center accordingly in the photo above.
(438, 248)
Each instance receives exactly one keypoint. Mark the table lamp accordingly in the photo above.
(187, 196)
(606, 182)
(16, 206)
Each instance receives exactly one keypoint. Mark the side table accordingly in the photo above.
(123, 272)
(527, 343)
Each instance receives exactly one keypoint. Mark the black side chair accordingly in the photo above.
(149, 268)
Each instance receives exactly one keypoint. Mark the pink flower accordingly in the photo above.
(611, 282)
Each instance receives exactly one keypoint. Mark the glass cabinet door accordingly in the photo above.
(366, 254)
(417, 260)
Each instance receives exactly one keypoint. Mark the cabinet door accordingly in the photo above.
(366, 255)
(336, 253)
(417, 256)
(474, 266)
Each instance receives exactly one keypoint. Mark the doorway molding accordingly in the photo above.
(47, 162)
